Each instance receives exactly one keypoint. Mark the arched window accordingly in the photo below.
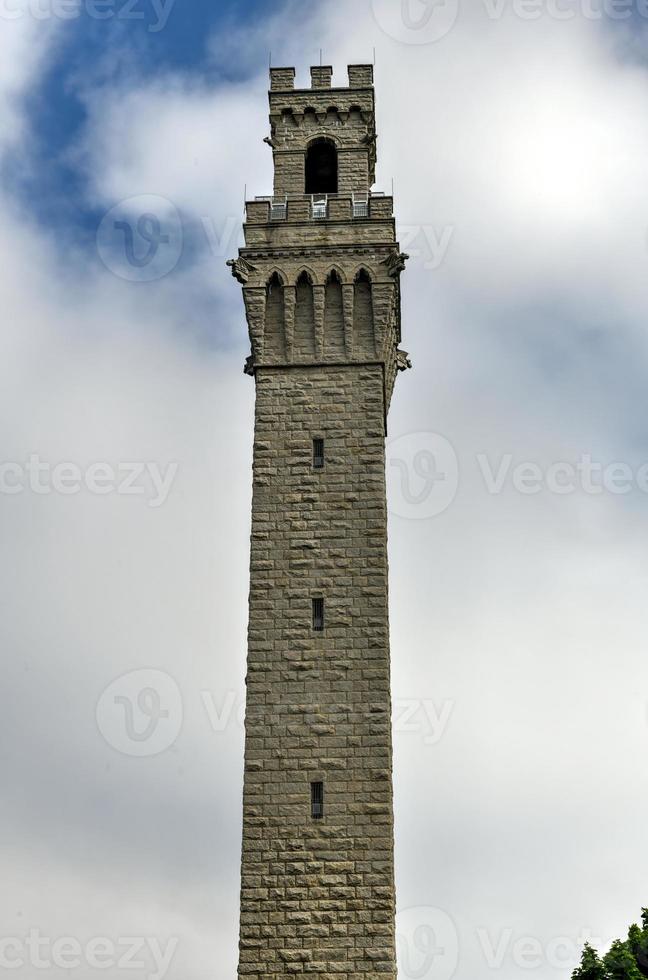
(322, 168)
(304, 318)
(333, 116)
(333, 317)
(274, 324)
(363, 316)
(274, 282)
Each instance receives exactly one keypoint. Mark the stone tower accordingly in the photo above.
(321, 280)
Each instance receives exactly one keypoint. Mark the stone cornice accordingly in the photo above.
(292, 252)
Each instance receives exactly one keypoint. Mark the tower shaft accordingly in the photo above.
(320, 272)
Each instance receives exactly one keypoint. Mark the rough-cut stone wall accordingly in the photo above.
(318, 896)
(322, 300)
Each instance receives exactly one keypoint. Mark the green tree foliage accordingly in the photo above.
(625, 961)
(620, 963)
(638, 944)
(591, 967)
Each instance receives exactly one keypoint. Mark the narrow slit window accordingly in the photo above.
(317, 801)
(318, 454)
(318, 615)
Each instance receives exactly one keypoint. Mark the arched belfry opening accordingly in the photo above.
(322, 167)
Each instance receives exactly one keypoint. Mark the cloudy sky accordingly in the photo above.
(516, 134)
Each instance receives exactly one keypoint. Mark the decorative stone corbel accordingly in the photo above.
(403, 362)
(241, 269)
(396, 263)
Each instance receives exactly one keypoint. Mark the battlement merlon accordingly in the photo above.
(358, 97)
(283, 79)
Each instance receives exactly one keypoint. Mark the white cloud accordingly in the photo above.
(528, 139)
(25, 44)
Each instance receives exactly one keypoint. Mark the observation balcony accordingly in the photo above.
(319, 207)
(311, 220)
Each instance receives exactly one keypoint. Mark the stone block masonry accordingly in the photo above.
(322, 298)
(318, 897)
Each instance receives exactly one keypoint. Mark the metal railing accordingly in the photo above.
(279, 210)
(319, 206)
(360, 205)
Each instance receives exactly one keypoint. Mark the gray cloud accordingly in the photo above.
(525, 612)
